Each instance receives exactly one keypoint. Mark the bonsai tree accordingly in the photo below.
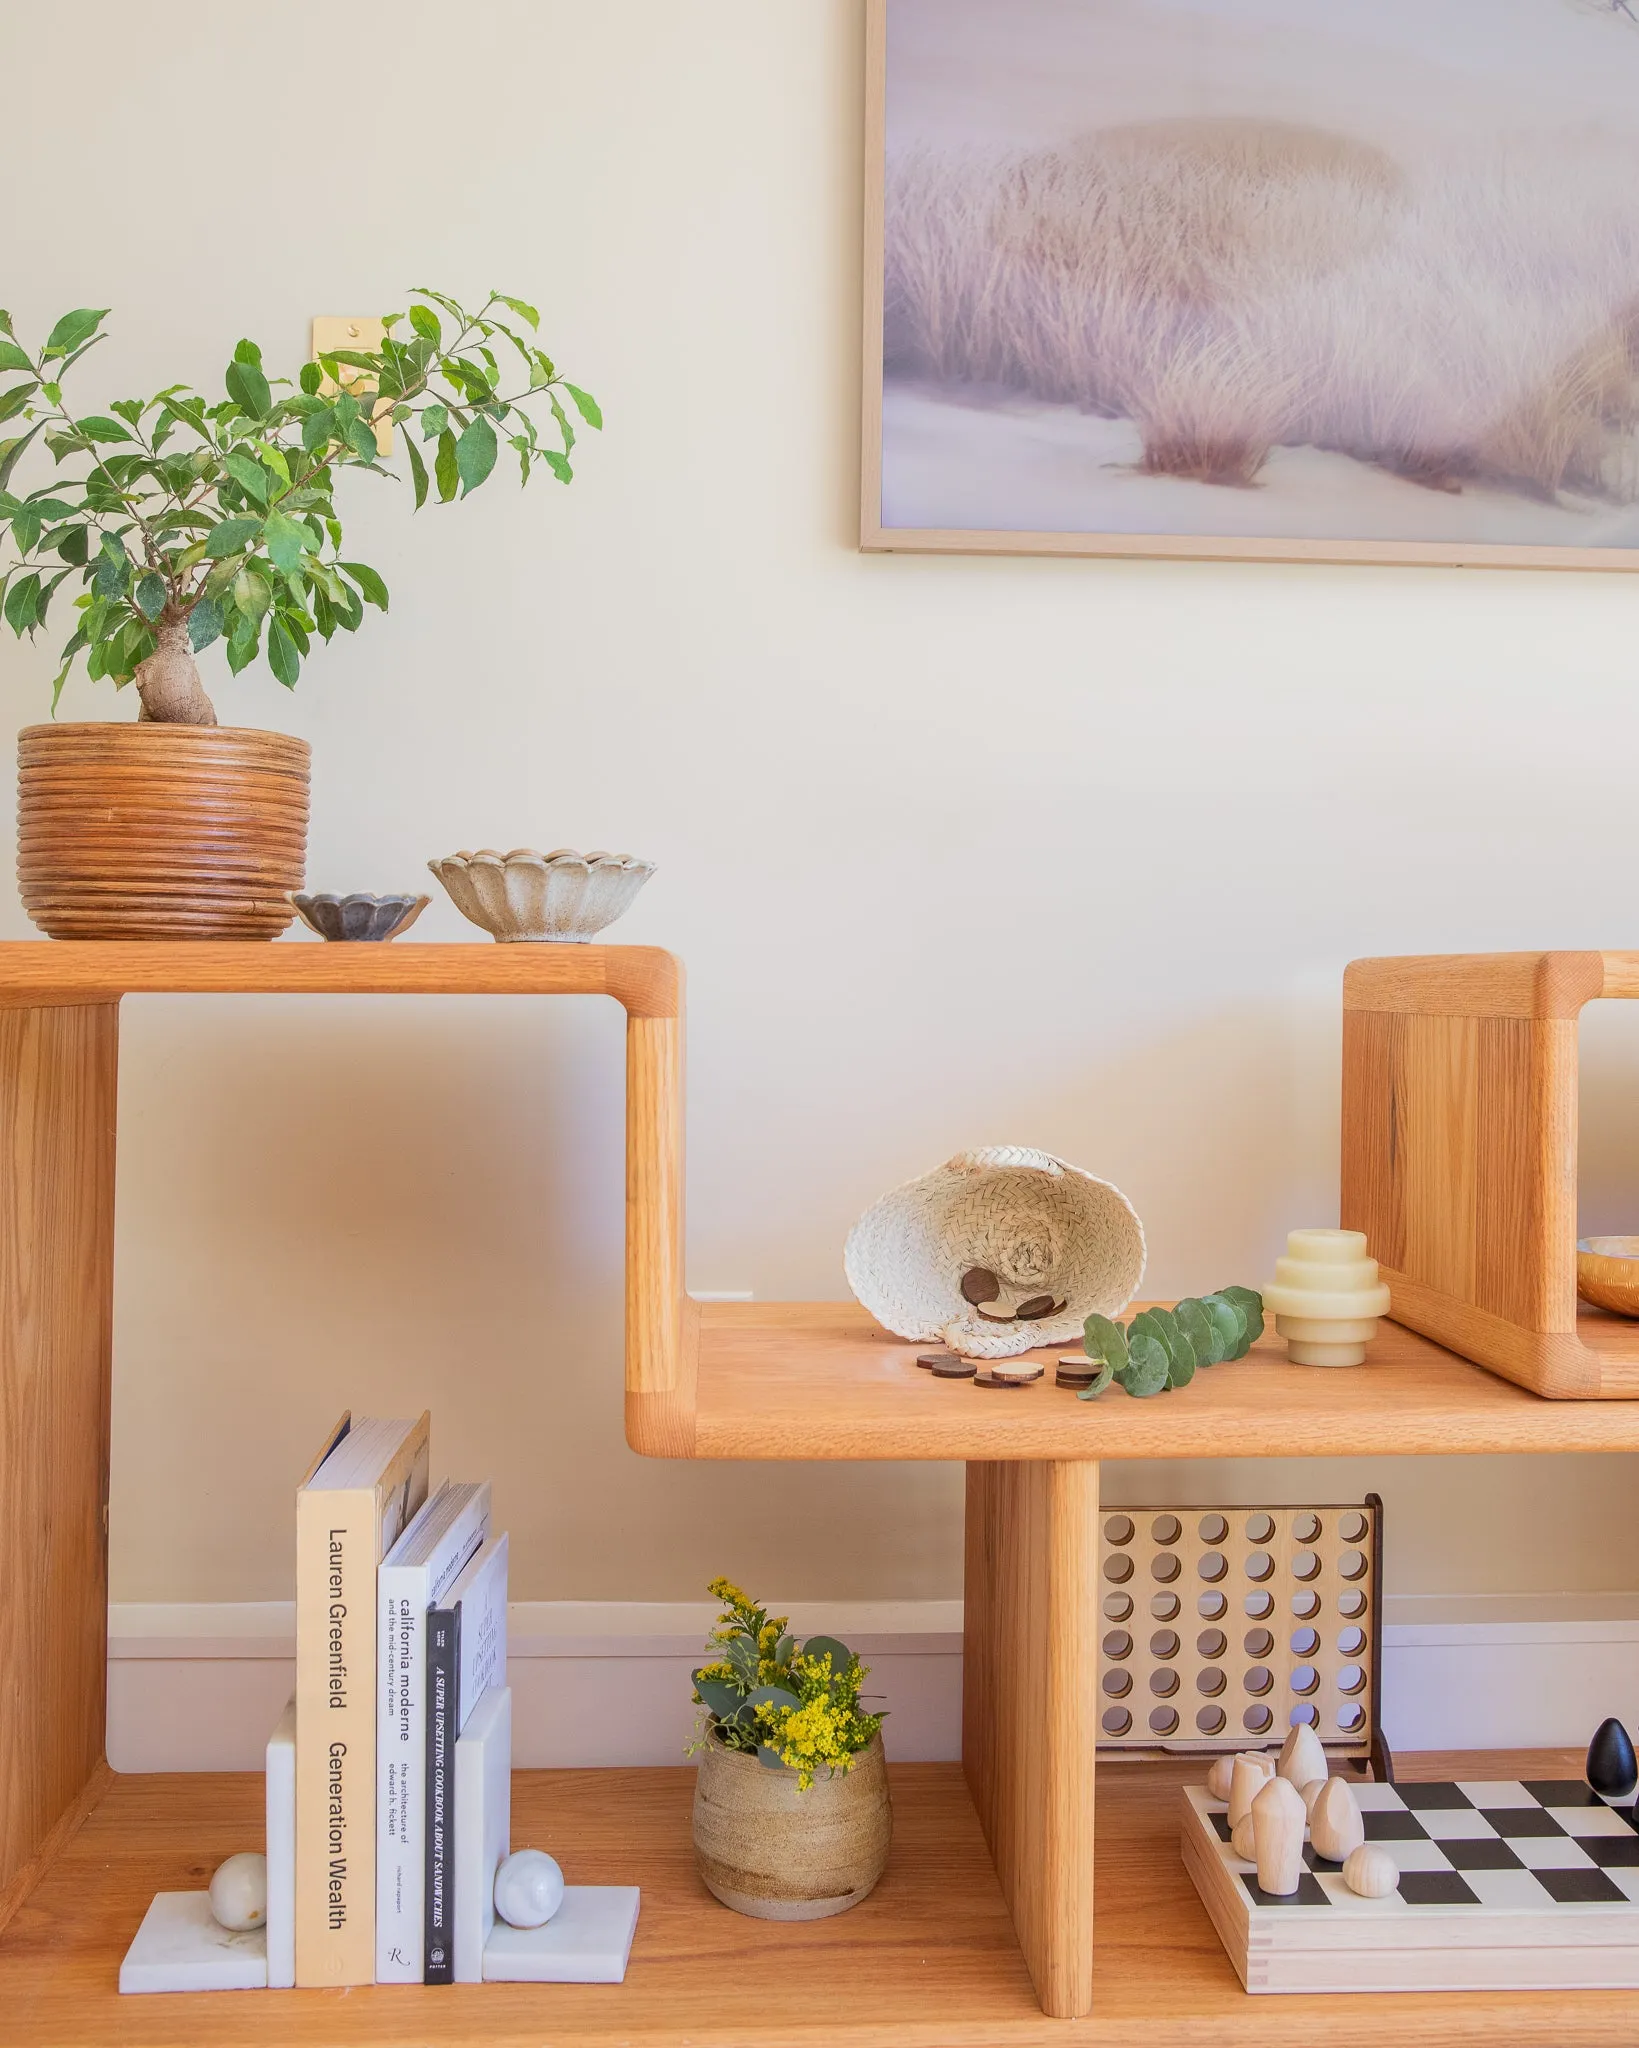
(188, 523)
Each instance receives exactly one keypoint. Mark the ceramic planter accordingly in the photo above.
(775, 1853)
(526, 896)
(149, 831)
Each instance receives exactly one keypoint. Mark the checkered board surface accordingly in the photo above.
(1542, 1872)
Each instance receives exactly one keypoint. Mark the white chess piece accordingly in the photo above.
(1243, 1840)
(1277, 1826)
(1371, 1871)
(528, 1888)
(239, 1892)
(1217, 1779)
(1302, 1759)
(1335, 1825)
(1251, 1773)
(1311, 1792)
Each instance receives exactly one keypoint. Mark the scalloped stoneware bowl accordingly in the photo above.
(1607, 1273)
(358, 916)
(525, 896)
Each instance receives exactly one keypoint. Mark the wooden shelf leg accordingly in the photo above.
(58, 1072)
(1030, 1708)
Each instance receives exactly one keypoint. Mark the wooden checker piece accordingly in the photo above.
(1503, 1886)
(1225, 1626)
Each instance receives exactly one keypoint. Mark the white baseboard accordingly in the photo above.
(198, 1687)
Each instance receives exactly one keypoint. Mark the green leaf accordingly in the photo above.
(13, 358)
(248, 474)
(73, 544)
(113, 569)
(247, 352)
(1148, 1365)
(1104, 1377)
(562, 419)
(1105, 1341)
(242, 643)
(11, 452)
(718, 1696)
(1251, 1306)
(287, 541)
(73, 328)
(425, 321)
(1160, 1324)
(558, 464)
(1230, 1321)
(23, 605)
(1204, 1338)
(205, 623)
(247, 387)
(150, 595)
(311, 378)
(98, 427)
(13, 401)
(25, 529)
(522, 307)
(839, 1653)
(232, 537)
(361, 438)
(375, 591)
(445, 467)
(585, 404)
(252, 593)
(434, 419)
(317, 429)
(418, 472)
(282, 657)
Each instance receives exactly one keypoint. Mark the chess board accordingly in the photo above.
(1503, 1886)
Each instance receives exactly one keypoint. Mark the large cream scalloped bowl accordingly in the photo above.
(524, 897)
(1040, 1225)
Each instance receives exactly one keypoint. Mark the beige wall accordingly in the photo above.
(1063, 853)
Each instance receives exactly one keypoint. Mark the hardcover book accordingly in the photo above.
(364, 1488)
(466, 1656)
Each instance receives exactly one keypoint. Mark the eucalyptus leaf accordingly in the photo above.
(1148, 1366)
(717, 1695)
(770, 1759)
(1229, 1319)
(1204, 1338)
(1105, 1340)
(1251, 1304)
(828, 1646)
(1103, 1378)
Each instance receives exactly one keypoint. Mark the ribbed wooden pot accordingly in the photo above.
(160, 831)
(767, 1849)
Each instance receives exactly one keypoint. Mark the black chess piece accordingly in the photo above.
(1613, 1771)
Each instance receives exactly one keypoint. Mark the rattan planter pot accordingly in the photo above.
(151, 831)
(768, 1850)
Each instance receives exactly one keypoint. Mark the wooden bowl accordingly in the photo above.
(1607, 1273)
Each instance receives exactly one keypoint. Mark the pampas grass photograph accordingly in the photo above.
(1256, 272)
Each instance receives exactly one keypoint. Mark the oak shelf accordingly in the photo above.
(929, 1961)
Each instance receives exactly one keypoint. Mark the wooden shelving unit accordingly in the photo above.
(985, 1922)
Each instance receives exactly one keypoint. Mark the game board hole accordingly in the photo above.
(1164, 1683)
(1118, 1529)
(1257, 1720)
(1213, 1566)
(1211, 1643)
(1259, 1606)
(1259, 1528)
(1210, 1720)
(1260, 1565)
(1351, 1641)
(1164, 1644)
(1164, 1721)
(1117, 1606)
(1165, 1567)
(1117, 1721)
(1303, 1714)
(1352, 1564)
(1306, 1565)
(1305, 1605)
(1117, 1684)
(1305, 1642)
(1258, 1642)
(1118, 1644)
(1351, 1604)
(1351, 1719)
(1164, 1607)
(1212, 1606)
(1166, 1529)
(1210, 1682)
(1352, 1527)
(1259, 1680)
(1351, 1679)
(1306, 1528)
(1305, 1680)
(1118, 1569)
(1212, 1528)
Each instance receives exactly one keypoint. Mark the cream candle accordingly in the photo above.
(1326, 1297)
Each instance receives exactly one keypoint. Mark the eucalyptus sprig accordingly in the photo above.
(1162, 1348)
(189, 522)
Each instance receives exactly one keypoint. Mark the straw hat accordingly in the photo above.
(1039, 1225)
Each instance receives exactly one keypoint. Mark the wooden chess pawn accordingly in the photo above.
(1277, 1829)
(1217, 1779)
(1302, 1759)
(1335, 1826)
(1371, 1872)
(1251, 1773)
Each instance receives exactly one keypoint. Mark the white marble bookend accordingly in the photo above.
(587, 1941)
(180, 1947)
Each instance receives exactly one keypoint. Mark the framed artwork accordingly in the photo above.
(1333, 280)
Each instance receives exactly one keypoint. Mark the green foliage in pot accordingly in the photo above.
(188, 522)
(792, 1705)
(1163, 1348)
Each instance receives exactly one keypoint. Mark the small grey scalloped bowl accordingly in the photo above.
(524, 897)
(359, 916)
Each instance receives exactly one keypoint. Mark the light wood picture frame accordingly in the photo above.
(1250, 280)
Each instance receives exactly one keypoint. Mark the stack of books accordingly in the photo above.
(401, 1633)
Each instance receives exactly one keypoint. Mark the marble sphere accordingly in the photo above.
(528, 1888)
(239, 1892)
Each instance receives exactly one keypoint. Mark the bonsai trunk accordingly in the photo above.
(168, 681)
